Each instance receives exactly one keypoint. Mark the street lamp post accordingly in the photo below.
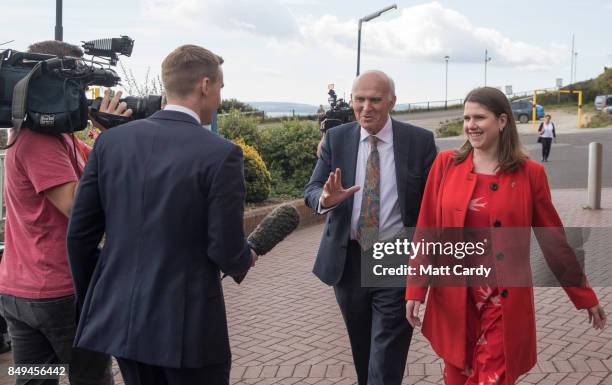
(575, 66)
(572, 67)
(446, 84)
(59, 30)
(486, 60)
(365, 20)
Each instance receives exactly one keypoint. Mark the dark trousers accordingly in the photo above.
(546, 144)
(137, 373)
(376, 322)
(42, 332)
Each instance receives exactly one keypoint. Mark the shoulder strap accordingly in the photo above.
(20, 97)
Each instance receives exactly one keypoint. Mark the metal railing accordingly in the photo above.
(428, 105)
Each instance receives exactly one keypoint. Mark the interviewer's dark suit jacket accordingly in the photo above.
(169, 195)
(414, 150)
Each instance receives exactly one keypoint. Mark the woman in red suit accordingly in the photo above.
(486, 334)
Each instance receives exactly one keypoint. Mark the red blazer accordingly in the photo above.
(524, 201)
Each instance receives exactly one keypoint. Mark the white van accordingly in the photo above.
(602, 101)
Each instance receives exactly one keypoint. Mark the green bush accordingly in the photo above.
(290, 151)
(237, 126)
(256, 175)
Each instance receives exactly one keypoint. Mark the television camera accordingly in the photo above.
(46, 93)
(340, 112)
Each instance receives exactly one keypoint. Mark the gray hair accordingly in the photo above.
(380, 74)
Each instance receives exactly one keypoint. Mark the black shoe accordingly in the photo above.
(5, 343)
(5, 347)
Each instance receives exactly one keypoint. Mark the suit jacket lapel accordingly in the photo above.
(349, 161)
(401, 149)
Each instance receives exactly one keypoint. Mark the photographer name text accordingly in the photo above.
(429, 270)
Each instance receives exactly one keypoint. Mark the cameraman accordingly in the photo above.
(36, 290)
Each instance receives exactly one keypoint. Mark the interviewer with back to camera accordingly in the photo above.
(37, 295)
(484, 334)
(169, 194)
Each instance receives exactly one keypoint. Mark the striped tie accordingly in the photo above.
(367, 226)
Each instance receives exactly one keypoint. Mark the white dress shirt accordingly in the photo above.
(390, 217)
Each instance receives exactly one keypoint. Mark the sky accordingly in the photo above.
(290, 50)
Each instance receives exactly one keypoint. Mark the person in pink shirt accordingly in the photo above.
(36, 289)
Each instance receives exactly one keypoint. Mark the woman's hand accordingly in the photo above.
(412, 312)
(597, 316)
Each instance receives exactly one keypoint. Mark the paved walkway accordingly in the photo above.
(285, 326)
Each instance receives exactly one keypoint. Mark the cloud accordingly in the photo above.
(421, 33)
(270, 18)
(426, 33)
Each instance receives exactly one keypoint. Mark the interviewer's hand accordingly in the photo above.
(113, 107)
(597, 316)
(254, 257)
(333, 192)
(412, 312)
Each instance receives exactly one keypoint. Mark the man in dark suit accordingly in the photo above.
(391, 161)
(169, 195)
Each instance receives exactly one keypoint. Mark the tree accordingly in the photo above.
(228, 105)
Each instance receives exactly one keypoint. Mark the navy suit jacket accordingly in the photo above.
(169, 196)
(414, 150)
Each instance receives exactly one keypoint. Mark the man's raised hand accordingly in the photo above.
(333, 192)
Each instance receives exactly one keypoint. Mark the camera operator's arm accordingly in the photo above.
(112, 106)
(85, 229)
(62, 197)
(46, 162)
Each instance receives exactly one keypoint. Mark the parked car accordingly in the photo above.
(602, 101)
(522, 110)
(608, 109)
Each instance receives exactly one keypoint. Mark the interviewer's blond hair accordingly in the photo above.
(187, 65)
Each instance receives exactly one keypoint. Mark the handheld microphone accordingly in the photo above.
(275, 227)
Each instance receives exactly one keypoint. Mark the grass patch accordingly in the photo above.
(600, 119)
(448, 128)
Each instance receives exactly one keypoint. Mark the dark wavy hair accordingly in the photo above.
(510, 152)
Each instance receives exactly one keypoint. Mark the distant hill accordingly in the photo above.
(285, 107)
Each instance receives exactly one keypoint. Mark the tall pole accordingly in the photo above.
(446, 84)
(359, 44)
(59, 30)
(572, 67)
(366, 19)
(486, 60)
(575, 66)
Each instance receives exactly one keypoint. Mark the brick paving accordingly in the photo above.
(285, 326)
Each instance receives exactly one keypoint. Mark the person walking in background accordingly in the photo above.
(547, 133)
(486, 333)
